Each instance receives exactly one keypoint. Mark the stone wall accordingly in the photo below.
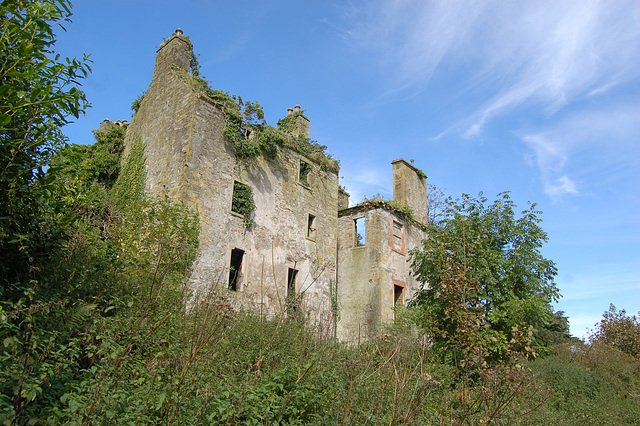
(301, 249)
(375, 277)
(189, 159)
(410, 189)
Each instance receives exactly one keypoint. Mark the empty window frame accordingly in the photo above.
(398, 295)
(303, 173)
(359, 232)
(397, 236)
(311, 227)
(235, 269)
(293, 300)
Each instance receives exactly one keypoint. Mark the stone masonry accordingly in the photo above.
(302, 250)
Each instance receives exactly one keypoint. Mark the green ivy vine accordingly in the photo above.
(242, 202)
(249, 133)
(129, 187)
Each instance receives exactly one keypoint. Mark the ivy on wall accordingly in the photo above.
(242, 202)
(129, 186)
(249, 133)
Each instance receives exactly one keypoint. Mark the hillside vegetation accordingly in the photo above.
(94, 327)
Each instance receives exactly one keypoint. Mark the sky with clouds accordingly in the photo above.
(538, 98)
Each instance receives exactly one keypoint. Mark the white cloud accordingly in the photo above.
(560, 187)
(586, 142)
(365, 180)
(544, 53)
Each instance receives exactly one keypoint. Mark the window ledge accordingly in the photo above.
(236, 214)
(304, 186)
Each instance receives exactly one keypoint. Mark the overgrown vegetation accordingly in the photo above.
(594, 382)
(242, 202)
(619, 330)
(99, 162)
(38, 94)
(94, 326)
(135, 105)
(401, 210)
(487, 280)
(249, 133)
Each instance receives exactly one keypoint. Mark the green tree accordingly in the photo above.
(97, 163)
(38, 95)
(619, 330)
(484, 279)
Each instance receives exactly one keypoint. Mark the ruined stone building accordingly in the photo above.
(301, 247)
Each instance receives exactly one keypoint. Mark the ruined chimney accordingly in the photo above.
(301, 125)
(343, 198)
(290, 111)
(176, 51)
(105, 125)
(410, 189)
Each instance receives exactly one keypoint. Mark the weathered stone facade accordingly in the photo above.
(299, 249)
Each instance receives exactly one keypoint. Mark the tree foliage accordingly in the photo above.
(99, 162)
(619, 330)
(484, 279)
(38, 95)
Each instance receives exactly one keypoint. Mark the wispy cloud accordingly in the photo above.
(365, 180)
(587, 142)
(522, 60)
(544, 53)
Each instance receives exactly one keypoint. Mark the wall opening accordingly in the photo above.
(235, 269)
(293, 299)
(398, 295)
(360, 231)
(303, 174)
(398, 298)
(242, 202)
(397, 236)
(239, 200)
(311, 227)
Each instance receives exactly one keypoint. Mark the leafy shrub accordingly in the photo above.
(620, 331)
(593, 384)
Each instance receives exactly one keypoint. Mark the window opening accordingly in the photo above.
(242, 202)
(293, 300)
(311, 227)
(303, 175)
(235, 269)
(360, 231)
(398, 295)
(397, 235)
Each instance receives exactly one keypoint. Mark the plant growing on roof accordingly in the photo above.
(249, 133)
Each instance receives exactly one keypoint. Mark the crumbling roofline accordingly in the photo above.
(381, 204)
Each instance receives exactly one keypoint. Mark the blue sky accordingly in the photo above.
(538, 98)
